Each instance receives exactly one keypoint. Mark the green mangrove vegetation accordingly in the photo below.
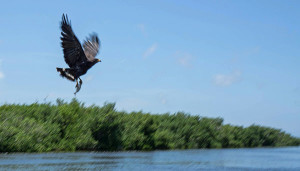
(73, 126)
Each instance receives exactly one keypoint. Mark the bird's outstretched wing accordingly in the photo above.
(91, 47)
(73, 52)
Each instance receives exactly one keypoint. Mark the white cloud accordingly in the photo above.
(164, 101)
(89, 78)
(150, 50)
(142, 28)
(1, 73)
(184, 59)
(227, 80)
(163, 98)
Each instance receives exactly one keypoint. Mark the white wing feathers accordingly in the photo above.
(91, 47)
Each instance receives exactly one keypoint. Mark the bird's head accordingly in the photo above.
(96, 60)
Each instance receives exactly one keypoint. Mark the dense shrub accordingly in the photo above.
(72, 126)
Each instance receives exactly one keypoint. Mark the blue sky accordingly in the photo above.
(238, 60)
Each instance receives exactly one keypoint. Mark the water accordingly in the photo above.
(215, 159)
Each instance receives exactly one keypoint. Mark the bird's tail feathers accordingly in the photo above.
(66, 73)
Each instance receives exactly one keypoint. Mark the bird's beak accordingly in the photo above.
(99, 60)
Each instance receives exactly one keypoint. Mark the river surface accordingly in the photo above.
(215, 159)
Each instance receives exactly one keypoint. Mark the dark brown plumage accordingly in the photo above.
(79, 60)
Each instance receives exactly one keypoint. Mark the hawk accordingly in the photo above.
(79, 58)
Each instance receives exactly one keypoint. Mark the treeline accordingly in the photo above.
(72, 126)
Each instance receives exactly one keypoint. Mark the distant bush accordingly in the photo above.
(72, 126)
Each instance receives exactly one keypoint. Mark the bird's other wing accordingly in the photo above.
(73, 52)
(91, 47)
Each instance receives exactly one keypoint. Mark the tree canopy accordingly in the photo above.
(73, 126)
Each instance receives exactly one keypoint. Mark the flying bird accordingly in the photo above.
(79, 59)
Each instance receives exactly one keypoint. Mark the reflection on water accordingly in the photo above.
(216, 159)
